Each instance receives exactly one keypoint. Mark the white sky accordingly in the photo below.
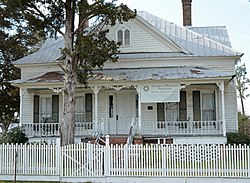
(234, 14)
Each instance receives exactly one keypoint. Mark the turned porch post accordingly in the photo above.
(138, 89)
(96, 91)
(221, 86)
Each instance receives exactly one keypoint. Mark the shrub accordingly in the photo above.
(15, 135)
(237, 138)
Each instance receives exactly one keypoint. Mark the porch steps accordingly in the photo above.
(123, 140)
(158, 140)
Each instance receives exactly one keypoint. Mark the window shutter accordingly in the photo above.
(55, 108)
(36, 109)
(160, 112)
(196, 106)
(183, 106)
(88, 107)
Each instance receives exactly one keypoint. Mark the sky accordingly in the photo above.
(234, 14)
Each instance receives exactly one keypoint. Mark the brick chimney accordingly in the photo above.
(187, 13)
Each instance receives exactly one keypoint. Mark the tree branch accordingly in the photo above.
(44, 17)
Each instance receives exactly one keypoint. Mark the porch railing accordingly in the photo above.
(150, 127)
(183, 127)
(52, 129)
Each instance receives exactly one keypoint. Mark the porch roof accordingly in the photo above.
(157, 73)
(134, 74)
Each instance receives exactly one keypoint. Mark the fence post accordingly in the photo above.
(58, 157)
(107, 157)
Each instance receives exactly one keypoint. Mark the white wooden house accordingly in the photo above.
(171, 83)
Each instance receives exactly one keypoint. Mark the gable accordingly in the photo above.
(142, 39)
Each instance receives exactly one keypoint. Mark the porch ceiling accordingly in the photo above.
(135, 74)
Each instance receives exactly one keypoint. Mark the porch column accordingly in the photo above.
(23, 91)
(21, 107)
(221, 86)
(96, 91)
(138, 89)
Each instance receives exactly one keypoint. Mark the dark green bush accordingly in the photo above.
(15, 135)
(237, 138)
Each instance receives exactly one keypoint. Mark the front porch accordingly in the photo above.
(157, 108)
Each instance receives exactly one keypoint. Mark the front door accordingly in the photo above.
(123, 112)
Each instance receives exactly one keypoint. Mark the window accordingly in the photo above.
(120, 36)
(83, 108)
(208, 107)
(79, 109)
(204, 107)
(173, 111)
(123, 37)
(46, 109)
(111, 106)
(127, 37)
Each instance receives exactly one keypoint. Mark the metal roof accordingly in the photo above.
(135, 74)
(48, 53)
(217, 33)
(193, 42)
(196, 41)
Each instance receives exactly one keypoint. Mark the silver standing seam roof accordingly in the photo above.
(209, 41)
(193, 42)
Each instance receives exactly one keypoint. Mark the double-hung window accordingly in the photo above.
(172, 111)
(46, 109)
(83, 108)
(204, 106)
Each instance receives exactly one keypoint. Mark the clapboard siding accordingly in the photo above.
(36, 70)
(149, 116)
(231, 107)
(102, 106)
(142, 39)
(27, 107)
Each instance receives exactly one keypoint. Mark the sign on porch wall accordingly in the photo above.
(160, 92)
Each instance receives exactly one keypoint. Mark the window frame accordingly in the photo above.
(212, 91)
(124, 41)
(163, 110)
(85, 108)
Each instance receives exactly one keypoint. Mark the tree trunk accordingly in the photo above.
(242, 105)
(67, 127)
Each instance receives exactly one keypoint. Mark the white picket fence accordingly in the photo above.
(89, 160)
